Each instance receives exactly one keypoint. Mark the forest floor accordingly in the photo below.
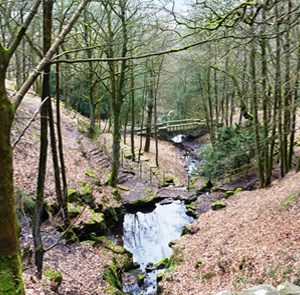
(255, 239)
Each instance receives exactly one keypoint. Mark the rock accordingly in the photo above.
(163, 263)
(136, 265)
(159, 277)
(229, 194)
(238, 190)
(166, 201)
(141, 279)
(150, 267)
(288, 289)
(217, 205)
(259, 290)
(89, 222)
(225, 292)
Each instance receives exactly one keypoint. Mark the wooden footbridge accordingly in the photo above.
(169, 129)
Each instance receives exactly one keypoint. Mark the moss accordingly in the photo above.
(198, 264)
(74, 210)
(175, 259)
(96, 218)
(140, 279)
(192, 206)
(86, 188)
(229, 193)
(53, 275)
(163, 263)
(238, 190)
(111, 276)
(159, 276)
(11, 276)
(108, 244)
(143, 201)
(289, 200)
(116, 195)
(90, 173)
(112, 291)
(217, 205)
(207, 275)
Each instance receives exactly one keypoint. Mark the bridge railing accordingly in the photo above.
(174, 125)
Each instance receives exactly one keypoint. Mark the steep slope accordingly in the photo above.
(254, 240)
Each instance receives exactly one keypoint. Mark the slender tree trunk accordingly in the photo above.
(60, 145)
(260, 167)
(287, 90)
(132, 114)
(278, 93)
(265, 104)
(45, 111)
(149, 120)
(142, 121)
(116, 145)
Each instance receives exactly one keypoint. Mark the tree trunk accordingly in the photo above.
(149, 121)
(10, 262)
(132, 113)
(45, 111)
(260, 167)
(60, 144)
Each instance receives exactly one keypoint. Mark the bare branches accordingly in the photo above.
(18, 97)
(18, 37)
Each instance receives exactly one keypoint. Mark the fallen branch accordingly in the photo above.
(29, 122)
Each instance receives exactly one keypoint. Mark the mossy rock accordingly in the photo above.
(238, 190)
(229, 193)
(217, 205)
(108, 244)
(74, 210)
(192, 206)
(86, 188)
(90, 173)
(89, 222)
(112, 277)
(144, 201)
(159, 277)
(141, 279)
(163, 263)
(55, 278)
(72, 195)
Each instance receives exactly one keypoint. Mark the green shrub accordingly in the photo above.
(233, 148)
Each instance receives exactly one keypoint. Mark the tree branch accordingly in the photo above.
(20, 34)
(18, 97)
(29, 122)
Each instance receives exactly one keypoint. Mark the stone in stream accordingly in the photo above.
(150, 267)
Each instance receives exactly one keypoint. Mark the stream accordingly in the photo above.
(147, 236)
(147, 233)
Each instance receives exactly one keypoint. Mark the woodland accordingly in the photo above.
(87, 88)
